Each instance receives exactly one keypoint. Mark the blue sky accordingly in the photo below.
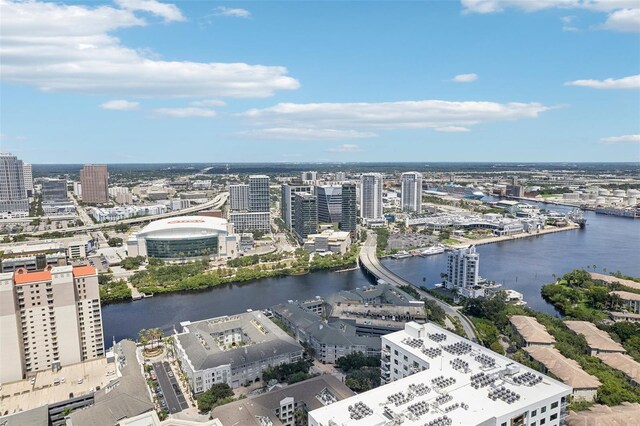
(477, 80)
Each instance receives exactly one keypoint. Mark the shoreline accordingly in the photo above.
(491, 240)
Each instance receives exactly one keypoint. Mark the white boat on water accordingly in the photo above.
(514, 297)
(432, 250)
(401, 255)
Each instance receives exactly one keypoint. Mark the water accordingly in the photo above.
(522, 265)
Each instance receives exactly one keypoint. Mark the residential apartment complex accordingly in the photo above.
(435, 377)
(371, 196)
(13, 193)
(259, 198)
(27, 172)
(232, 349)
(250, 221)
(49, 319)
(287, 204)
(411, 196)
(95, 183)
(463, 269)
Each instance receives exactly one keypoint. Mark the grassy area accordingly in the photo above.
(449, 241)
(114, 291)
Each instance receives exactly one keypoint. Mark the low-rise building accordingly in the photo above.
(232, 349)
(328, 241)
(279, 407)
(625, 414)
(585, 386)
(624, 363)
(630, 300)
(115, 214)
(598, 340)
(250, 221)
(531, 331)
(440, 378)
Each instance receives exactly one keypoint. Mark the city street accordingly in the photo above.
(176, 401)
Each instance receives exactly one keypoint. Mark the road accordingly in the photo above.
(370, 260)
(216, 203)
(176, 401)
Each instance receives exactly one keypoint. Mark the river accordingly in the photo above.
(523, 265)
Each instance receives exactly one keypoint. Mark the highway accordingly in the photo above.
(369, 260)
(217, 202)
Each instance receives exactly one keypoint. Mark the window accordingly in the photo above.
(543, 409)
(504, 424)
(533, 424)
(553, 417)
(554, 405)
(543, 421)
(534, 413)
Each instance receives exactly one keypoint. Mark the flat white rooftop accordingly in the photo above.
(466, 382)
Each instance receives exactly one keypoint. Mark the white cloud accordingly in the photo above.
(627, 20)
(299, 133)
(623, 15)
(321, 119)
(347, 147)
(631, 82)
(120, 105)
(169, 12)
(465, 78)
(185, 112)
(233, 12)
(208, 103)
(452, 129)
(69, 48)
(621, 139)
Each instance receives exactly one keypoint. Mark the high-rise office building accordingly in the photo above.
(349, 207)
(371, 196)
(259, 198)
(306, 215)
(13, 194)
(411, 197)
(95, 183)
(27, 172)
(239, 197)
(53, 190)
(463, 268)
(329, 203)
(49, 319)
(287, 202)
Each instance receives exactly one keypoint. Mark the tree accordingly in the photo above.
(143, 337)
(214, 396)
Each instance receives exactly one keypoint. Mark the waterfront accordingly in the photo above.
(523, 265)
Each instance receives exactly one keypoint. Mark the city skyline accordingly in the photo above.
(438, 81)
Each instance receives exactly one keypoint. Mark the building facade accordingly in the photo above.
(411, 196)
(54, 190)
(259, 197)
(329, 203)
(239, 197)
(13, 193)
(95, 183)
(306, 215)
(250, 221)
(287, 201)
(27, 171)
(371, 196)
(49, 319)
(349, 219)
(463, 269)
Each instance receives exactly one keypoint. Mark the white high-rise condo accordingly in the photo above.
(27, 170)
(412, 192)
(371, 196)
(463, 266)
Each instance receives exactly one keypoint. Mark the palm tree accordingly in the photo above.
(143, 337)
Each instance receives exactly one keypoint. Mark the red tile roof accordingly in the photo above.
(82, 271)
(31, 277)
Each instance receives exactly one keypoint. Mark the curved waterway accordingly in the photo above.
(523, 265)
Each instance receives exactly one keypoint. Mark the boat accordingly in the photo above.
(631, 212)
(401, 255)
(432, 250)
(576, 216)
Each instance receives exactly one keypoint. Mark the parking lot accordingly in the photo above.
(170, 396)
